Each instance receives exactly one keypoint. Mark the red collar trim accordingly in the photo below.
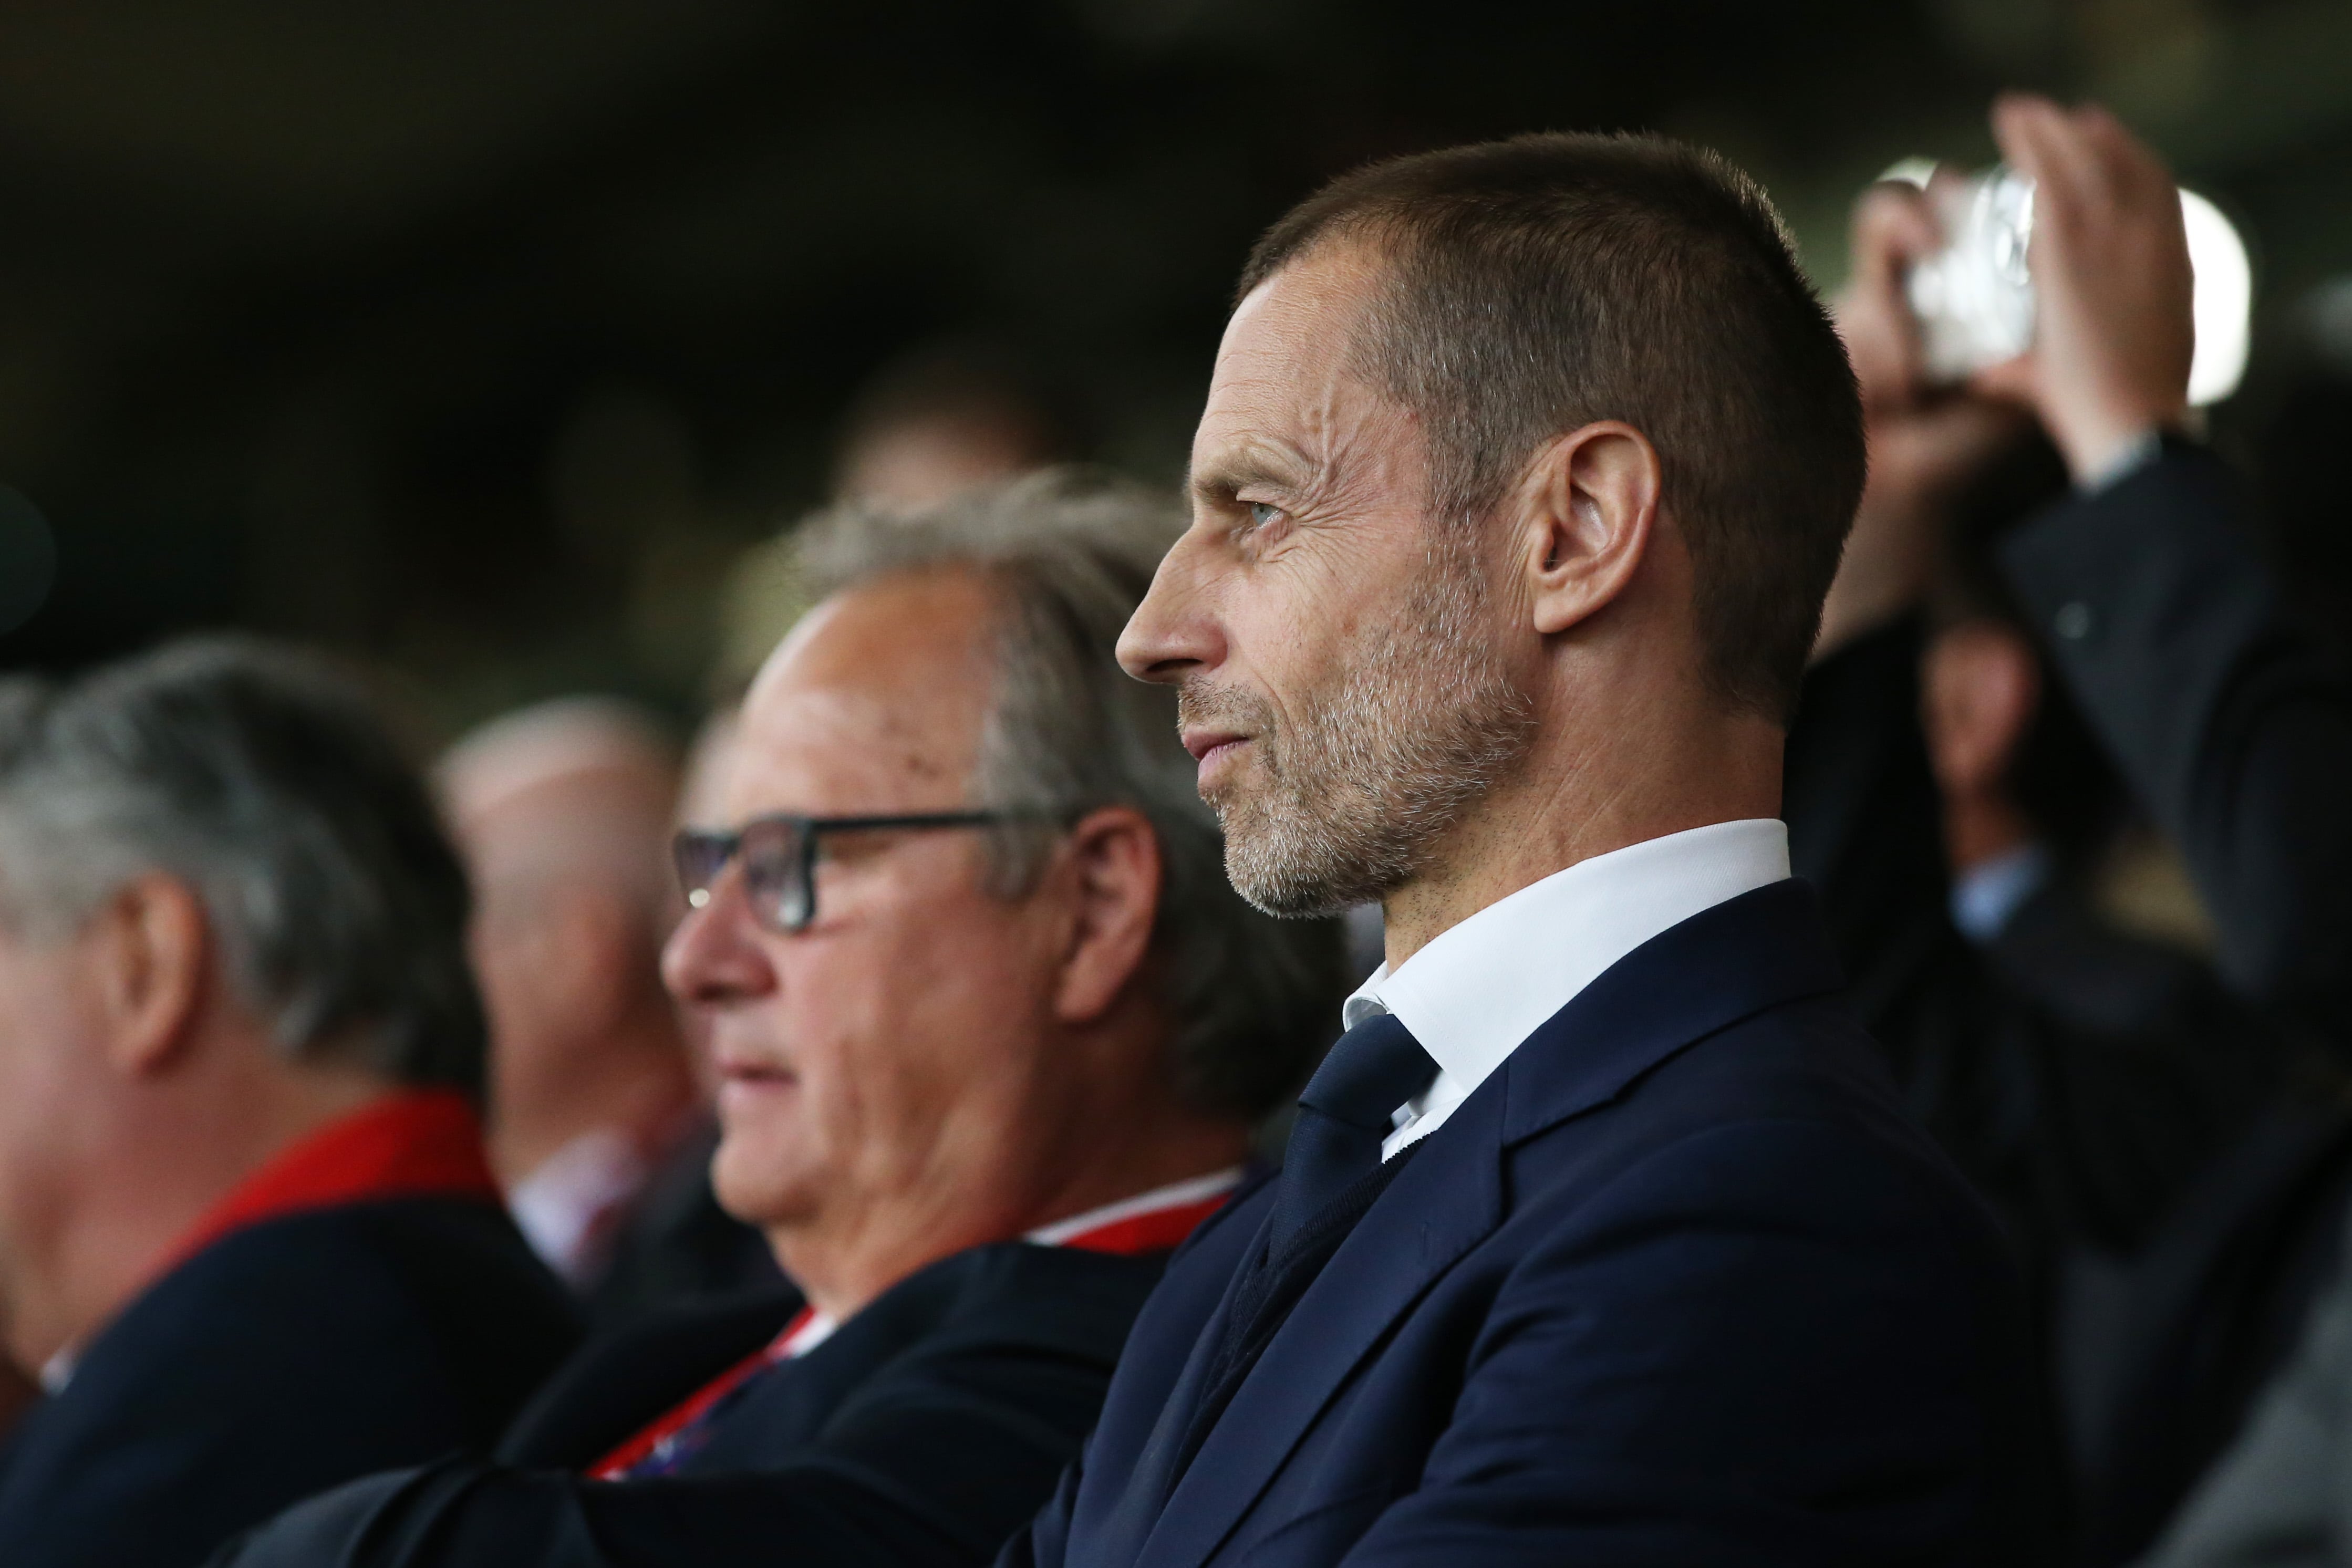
(1156, 1230)
(424, 1143)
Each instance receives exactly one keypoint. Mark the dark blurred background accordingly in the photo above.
(478, 341)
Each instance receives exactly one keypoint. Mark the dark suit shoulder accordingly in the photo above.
(1026, 1333)
(285, 1357)
(1803, 1094)
(1020, 1294)
(1758, 1305)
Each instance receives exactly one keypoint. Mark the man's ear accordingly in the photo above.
(1588, 504)
(154, 955)
(1110, 865)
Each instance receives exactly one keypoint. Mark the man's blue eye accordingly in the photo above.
(1264, 512)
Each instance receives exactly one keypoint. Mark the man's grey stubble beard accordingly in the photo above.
(1356, 793)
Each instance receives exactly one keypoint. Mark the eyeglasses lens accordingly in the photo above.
(776, 875)
(699, 855)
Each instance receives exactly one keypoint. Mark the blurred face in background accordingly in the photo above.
(564, 815)
(914, 463)
(884, 1075)
(1331, 640)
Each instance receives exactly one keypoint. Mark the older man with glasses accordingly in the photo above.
(992, 1031)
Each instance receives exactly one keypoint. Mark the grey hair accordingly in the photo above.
(266, 785)
(1255, 999)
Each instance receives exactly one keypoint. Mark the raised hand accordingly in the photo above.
(1922, 440)
(2114, 333)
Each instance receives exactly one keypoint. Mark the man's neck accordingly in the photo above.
(840, 1273)
(1104, 1136)
(1579, 795)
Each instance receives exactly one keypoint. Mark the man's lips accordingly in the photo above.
(1205, 743)
(748, 1073)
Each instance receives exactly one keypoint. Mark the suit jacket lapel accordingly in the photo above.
(1728, 963)
(1440, 1206)
(1121, 1537)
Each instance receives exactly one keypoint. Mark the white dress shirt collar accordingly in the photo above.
(1484, 985)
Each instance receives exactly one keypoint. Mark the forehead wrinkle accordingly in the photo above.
(814, 733)
(877, 705)
(1295, 380)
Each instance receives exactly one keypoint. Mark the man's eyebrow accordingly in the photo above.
(1226, 474)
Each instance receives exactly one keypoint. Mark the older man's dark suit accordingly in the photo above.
(918, 1436)
(1678, 1284)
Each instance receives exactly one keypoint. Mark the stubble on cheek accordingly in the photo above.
(1420, 723)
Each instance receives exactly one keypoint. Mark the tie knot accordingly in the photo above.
(1376, 1067)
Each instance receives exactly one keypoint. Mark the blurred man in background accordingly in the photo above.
(2025, 617)
(563, 813)
(677, 1241)
(933, 423)
(941, 421)
(247, 1224)
(992, 1032)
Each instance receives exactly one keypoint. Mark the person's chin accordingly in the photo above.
(755, 1182)
(1235, 787)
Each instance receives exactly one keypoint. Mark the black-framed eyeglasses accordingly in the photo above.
(779, 857)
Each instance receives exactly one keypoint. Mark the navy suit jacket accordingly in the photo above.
(285, 1357)
(1679, 1284)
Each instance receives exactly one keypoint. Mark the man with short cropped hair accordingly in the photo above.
(1602, 1237)
(991, 1034)
(246, 1226)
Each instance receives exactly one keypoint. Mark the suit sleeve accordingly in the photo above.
(1769, 1346)
(2233, 728)
(931, 1466)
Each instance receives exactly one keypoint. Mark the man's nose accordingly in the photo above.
(715, 956)
(1172, 632)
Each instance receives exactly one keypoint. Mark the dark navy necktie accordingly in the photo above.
(1344, 1117)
